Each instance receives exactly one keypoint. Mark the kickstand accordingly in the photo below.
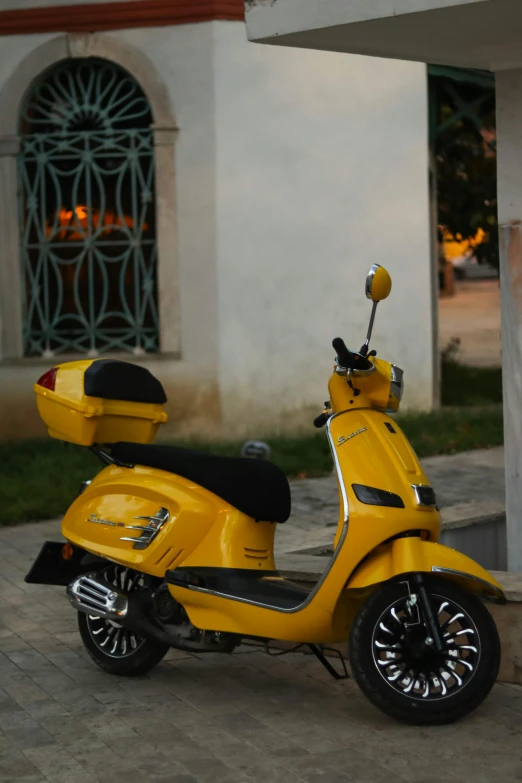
(318, 652)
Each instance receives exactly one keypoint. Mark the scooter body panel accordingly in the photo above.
(114, 504)
(365, 452)
(411, 555)
(370, 449)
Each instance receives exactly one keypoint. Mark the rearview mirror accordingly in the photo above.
(378, 283)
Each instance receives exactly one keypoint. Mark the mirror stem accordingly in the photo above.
(364, 349)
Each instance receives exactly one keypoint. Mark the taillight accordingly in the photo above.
(48, 379)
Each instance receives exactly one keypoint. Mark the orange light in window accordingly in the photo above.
(67, 551)
(74, 224)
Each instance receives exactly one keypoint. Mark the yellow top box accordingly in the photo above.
(101, 401)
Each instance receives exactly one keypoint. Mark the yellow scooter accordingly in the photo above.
(168, 547)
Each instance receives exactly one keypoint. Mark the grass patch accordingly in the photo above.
(450, 430)
(469, 386)
(40, 478)
(463, 385)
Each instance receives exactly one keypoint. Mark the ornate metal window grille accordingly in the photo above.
(87, 213)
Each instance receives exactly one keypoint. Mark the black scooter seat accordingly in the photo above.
(255, 487)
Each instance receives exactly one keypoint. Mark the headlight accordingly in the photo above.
(397, 382)
(396, 389)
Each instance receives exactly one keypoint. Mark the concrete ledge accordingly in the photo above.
(307, 569)
(476, 529)
(466, 514)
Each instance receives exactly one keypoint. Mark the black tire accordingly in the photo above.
(134, 663)
(411, 665)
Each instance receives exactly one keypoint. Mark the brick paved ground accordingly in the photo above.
(209, 719)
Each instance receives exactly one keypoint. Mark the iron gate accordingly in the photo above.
(87, 213)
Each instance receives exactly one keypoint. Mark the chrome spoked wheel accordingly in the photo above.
(112, 638)
(108, 635)
(406, 656)
(396, 662)
(112, 647)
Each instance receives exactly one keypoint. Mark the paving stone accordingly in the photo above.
(26, 692)
(146, 757)
(43, 711)
(104, 724)
(5, 743)
(13, 643)
(208, 770)
(36, 778)
(239, 723)
(182, 752)
(14, 764)
(18, 719)
(8, 704)
(25, 739)
(176, 779)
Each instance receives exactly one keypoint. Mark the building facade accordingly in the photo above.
(176, 196)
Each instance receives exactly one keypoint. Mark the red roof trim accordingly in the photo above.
(94, 17)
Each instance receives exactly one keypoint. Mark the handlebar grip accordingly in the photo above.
(321, 420)
(348, 359)
(344, 356)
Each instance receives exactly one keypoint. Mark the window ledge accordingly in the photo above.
(40, 361)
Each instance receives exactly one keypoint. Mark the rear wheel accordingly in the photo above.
(397, 666)
(115, 649)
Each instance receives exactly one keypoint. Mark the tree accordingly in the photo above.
(463, 138)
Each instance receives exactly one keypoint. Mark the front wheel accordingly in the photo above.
(397, 666)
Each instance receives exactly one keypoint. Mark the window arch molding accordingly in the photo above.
(12, 98)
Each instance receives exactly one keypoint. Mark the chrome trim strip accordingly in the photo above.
(313, 593)
(130, 538)
(363, 373)
(84, 485)
(397, 374)
(369, 281)
(463, 574)
(346, 510)
(148, 532)
(396, 386)
(161, 516)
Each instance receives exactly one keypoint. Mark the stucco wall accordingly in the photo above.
(182, 56)
(321, 171)
(295, 170)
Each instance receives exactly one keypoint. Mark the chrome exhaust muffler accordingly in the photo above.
(95, 596)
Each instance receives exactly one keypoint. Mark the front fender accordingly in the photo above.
(409, 555)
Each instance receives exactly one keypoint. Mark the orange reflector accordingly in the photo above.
(67, 551)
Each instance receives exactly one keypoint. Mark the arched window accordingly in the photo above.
(87, 213)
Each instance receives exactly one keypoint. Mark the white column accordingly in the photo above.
(434, 259)
(10, 271)
(167, 237)
(509, 132)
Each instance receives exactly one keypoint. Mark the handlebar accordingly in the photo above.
(349, 360)
(321, 420)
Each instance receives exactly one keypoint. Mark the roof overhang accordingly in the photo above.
(483, 34)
